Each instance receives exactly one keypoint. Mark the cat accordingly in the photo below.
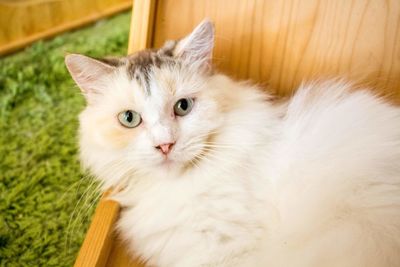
(213, 172)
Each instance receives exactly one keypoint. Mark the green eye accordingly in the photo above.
(129, 118)
(183, 106)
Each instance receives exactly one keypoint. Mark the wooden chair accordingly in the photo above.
(274, 42)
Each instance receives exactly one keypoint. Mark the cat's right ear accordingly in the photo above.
(88, 73)
(197, 47)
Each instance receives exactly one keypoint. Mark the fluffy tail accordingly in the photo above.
(336, 178)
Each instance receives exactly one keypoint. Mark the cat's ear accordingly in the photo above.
(197, 47)
(88, 73)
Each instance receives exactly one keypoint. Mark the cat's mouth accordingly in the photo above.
(170, 160)
(167, 161)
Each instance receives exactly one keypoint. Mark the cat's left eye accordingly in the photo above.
(183, 106)
(129, 118)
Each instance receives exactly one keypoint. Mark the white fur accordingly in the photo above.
(316, 184)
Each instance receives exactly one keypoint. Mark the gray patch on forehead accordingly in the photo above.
(141, 64)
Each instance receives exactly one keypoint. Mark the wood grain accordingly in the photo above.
(141, 31)
(24, 22)
(102, 246)
(99, 239)
(283, 42)
(119, 256)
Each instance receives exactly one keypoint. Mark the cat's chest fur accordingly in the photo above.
(204, 215)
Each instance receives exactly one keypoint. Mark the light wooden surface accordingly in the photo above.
(140, 36)
(119, 256)
(23, 22)
(102, 246)
(282, 42)
(99, 239)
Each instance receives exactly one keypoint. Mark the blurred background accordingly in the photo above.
(46, 202)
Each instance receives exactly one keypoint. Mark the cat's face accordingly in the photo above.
(151, 110)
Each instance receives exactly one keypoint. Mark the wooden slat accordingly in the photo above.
(22, 25)
(119, 256)
(98, 242)
(141, 31)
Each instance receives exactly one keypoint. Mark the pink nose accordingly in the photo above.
(165, 148)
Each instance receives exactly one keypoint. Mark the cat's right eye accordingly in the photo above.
(129, 118)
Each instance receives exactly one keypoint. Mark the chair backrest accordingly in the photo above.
(284, 42)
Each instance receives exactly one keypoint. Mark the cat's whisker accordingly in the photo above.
(219, 146)
(127, 176)
(212, 163)
(72, 216)
(89, 196)
(236, 144)
(194, 162)
(76, 211)
(212, 149)
(233, 161)
(83, 214)
(200, 138)
(70, 188)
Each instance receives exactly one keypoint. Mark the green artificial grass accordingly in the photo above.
(46, 202)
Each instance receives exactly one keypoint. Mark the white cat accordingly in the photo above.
(210, 172)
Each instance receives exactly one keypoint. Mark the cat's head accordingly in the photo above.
(152, 110)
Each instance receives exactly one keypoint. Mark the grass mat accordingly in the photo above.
(46, 202)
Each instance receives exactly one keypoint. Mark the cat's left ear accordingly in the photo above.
(197, 47)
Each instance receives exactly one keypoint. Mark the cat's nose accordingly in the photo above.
(165, 148)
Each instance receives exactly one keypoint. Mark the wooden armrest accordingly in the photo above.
(100, 236)
(101, 246)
